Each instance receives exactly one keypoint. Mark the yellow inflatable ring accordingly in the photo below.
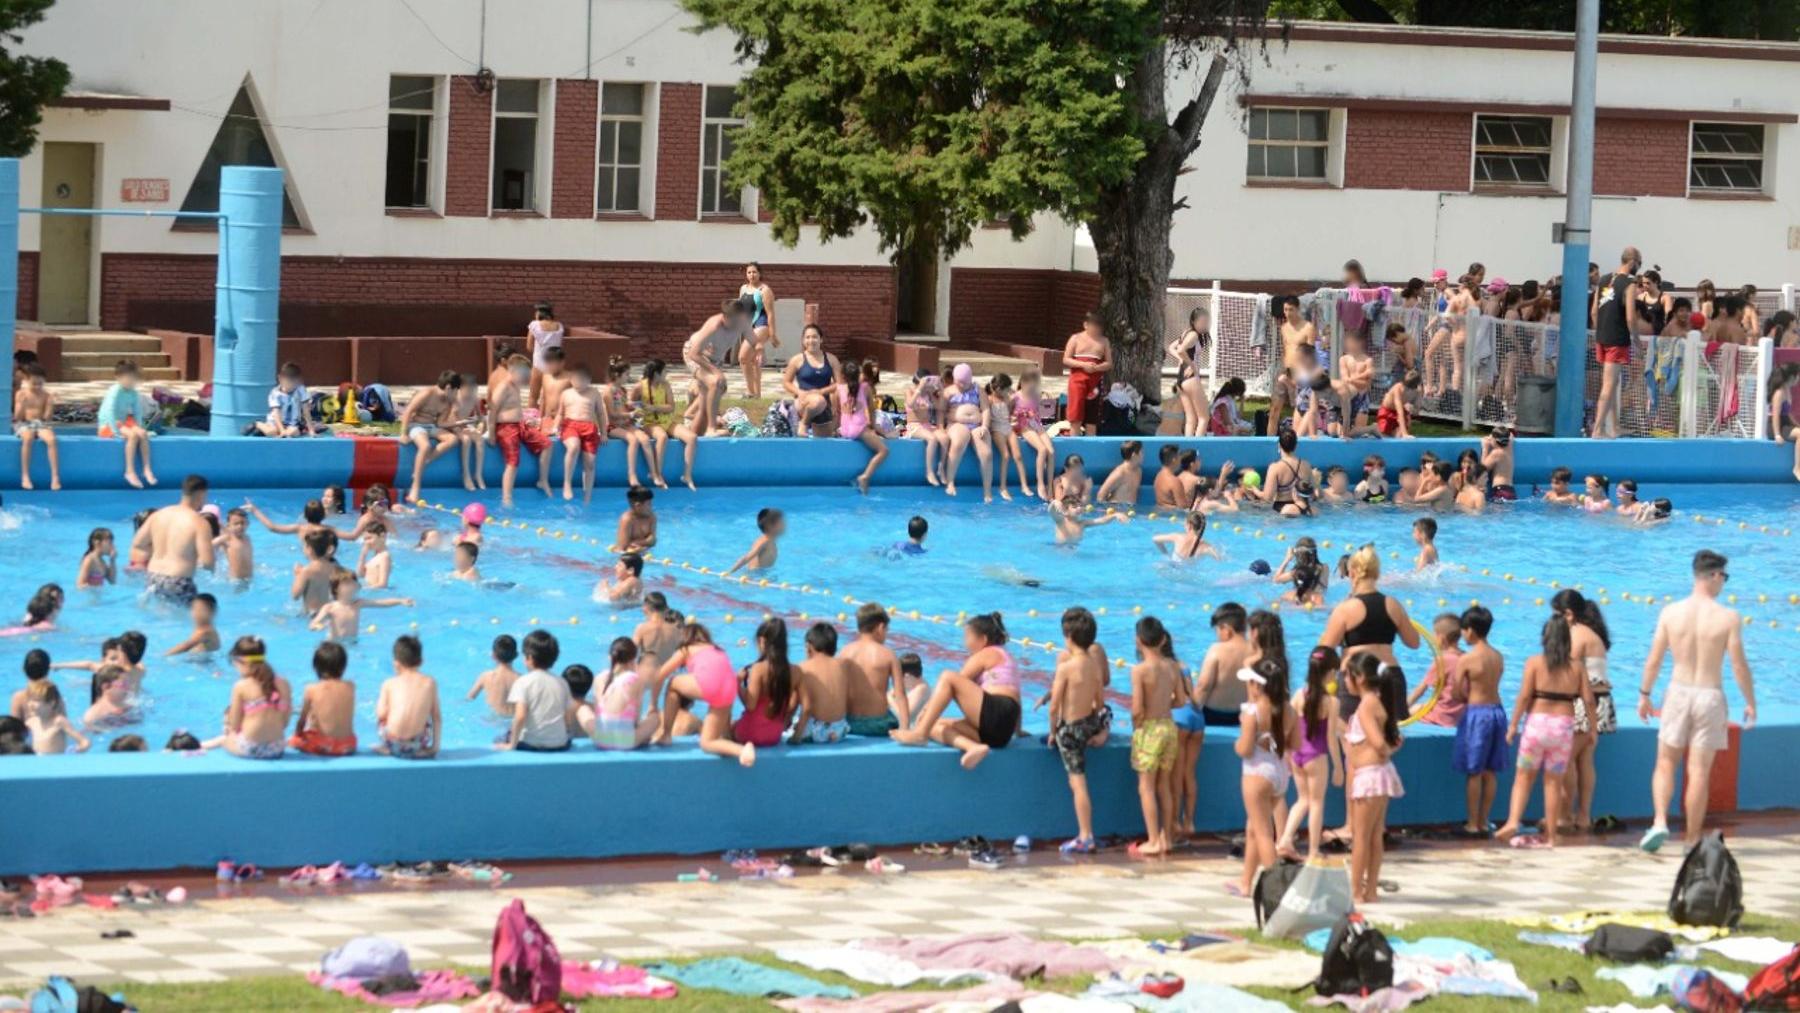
(1437, 688)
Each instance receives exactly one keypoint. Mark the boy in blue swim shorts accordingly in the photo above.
(1480, 752)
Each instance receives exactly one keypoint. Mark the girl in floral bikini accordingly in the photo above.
(621, 425)
(923, 406)
(256, 720)
(1028, 425)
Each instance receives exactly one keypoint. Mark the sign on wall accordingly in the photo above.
(144, 191)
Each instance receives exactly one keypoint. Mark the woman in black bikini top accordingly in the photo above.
(1381, 621)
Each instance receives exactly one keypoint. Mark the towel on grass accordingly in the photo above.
(857, 961)
(1384, 1000)
(1194, 997)
(987, 996)
(1561, 940)
(434, 987)
(1239, 963)
(1014, 956)
(741, 977)
(1759, 950)
(606, 979)
(1586, 922)
(1646, 981)
(1441, 947)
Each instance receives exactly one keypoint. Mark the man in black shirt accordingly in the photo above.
(1615, 321)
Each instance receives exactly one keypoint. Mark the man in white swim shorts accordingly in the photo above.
(1699, 632)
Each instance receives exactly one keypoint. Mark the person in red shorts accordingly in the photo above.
(1088, 358)
(507, 429)
(581, 425)
(1615, 321)
(1394, 417)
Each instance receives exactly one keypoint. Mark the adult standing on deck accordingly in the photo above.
(178, 541)
(762, 327)
(1698, 631)
(1088, 357)
(1615, 321)
(705, 350)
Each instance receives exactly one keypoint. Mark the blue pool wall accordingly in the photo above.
(246, 462)
(117, 812)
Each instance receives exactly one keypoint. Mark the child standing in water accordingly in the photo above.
(1479, 752)
(1157, 688)
(327, 723)
(1316, 761)
(234, 541)
(1424, 533)
(204, 611)
(1265, 735)
(99, 564)
(48, 720)
(772, 525)
(1071, 524)
(1123, 482)
(1191, 542)
(1078, 713)
(1372, 735)
(496, 683)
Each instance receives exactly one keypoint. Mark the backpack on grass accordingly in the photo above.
(1292, 900)
(1628, 944)
(1708, 889)
(1700, 990)
(526, 966)
(1272, 883)
(1776, 987)
(1358, 960)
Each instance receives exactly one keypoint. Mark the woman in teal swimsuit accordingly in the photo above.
(762, 328)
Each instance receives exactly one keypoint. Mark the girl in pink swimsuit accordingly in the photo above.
(707, 678)
(1372, 736)
(1028, 425)
(853, 406)
(985, 689)
(619, 721)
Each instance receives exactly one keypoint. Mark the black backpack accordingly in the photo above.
(1358, 959)
(1271, 885)
(1628, 944)
(1117, 421)
(1708, 889)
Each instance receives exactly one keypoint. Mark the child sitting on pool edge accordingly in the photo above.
(407, 715)
(823, 690)
(326, 726)
(707, 677)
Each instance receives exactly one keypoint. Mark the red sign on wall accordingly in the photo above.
(144, 191)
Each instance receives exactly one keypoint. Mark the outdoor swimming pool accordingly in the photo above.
(834, 555)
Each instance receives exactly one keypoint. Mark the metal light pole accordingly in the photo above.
(1577, 238)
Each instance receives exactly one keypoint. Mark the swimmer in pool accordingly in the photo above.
(1190, 542)
(1307, 575)
(234, 541)
(762, 554)
(916, 530)
(204, 611)
(1435, 488)
(1407, 491)
(1374, 487)
(464, 566)
(1597, 496)
(1559, 493)
(341, 617)
(1629, 505)
(1472, 497)
(1074, 480)
(1424, 533)
(1655, 511)
(637, 525)
(496, 683)
(374, 563)
(626, 585)
(1337, 486)
(1011, 575)
(1121, 485)
(1070, 522)
(312, 579)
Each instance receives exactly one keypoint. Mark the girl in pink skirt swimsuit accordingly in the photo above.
(1372, 737)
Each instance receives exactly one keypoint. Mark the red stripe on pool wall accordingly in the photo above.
(377, 461)
(1722, 793)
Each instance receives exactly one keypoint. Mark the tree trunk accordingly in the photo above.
(1131, 228)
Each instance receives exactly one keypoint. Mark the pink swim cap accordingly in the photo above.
(1440, 274)
(211, 508)
(474, 515)
(962, 373)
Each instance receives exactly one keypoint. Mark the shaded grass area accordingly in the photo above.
(1537, 966)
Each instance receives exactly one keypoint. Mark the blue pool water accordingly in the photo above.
(833, 556)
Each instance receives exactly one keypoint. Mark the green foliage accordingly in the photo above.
(929, 118)
(1777, 20)
(26, 82)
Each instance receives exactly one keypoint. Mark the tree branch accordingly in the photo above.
(1193, 115)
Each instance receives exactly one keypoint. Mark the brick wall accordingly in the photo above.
(28, 284)
(1400, 150)
(1637, 158)
(1019, 305)
(572, 165)
(469, 162)
(658, 304)
(678, 152)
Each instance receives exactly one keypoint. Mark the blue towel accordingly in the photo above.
(1195, 997)
(1428, 948)
(741, 977)
(1561, 940)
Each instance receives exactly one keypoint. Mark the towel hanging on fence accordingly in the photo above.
(1728, 383)
(1662, 369)
(1480, 348)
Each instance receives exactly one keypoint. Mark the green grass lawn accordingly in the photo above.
(1536, 965)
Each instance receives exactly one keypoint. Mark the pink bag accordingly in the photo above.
(526, 966)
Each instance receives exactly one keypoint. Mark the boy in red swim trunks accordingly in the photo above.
(581, 425)
(1088, 358)
(1394, 418)
(328, 707)
(507, 428)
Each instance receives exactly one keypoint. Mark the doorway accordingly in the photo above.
(66, 243)
(917, 284)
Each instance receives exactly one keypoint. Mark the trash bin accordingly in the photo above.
(1537, 404)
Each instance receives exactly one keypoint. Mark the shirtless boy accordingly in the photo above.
(507, 428)
(1356, 379)
(553, 379)
(1167, 484)
(497, 682)
(312, 579)
(1398, 405)
(1217, 692)
(627, 583)
(425, 425)
(1078, 715)
(327, 722)
(1121, 485)
(772, 524)
(234, 541)
(1074, 480)
(1296, 331)
(407, 714)
(637, 525)
(204, 611)
(581, 424)
(341, 617)
(1497, 458)
(375, 564)
(822, 685)
(113, 708)
(1480, 750)
(877, 686)
(462, 566)
(1559, 493)
(1088, 357)
(706, 349)
(1700, 633)
(33, 408)
(1071, 524)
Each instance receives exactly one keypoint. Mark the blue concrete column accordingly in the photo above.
(9, 278)
(249, 296)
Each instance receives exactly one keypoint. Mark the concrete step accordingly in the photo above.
(111, 344)
(983, 362)
(88, 373)
(109, 359)
(913, 338)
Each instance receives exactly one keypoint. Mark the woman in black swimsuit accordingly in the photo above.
(1367, 622)
(1282, 476)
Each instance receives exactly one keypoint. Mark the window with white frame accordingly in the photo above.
(1512, 150)
(411, 104)
(515, 175)
(621, 158)
(1726, 157)
(717, 194)
(1289, 144)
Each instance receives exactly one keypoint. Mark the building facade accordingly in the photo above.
(451, 163)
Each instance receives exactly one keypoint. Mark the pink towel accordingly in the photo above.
(434, 987)
(608, 980)
(990, 995)
(1012, 955)
(1728, 383)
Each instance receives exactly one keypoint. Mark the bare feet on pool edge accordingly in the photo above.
(544, 487)
(133, 481)
(950, 488)
(149, 476)
(973, 758)
(689, 480)
(747, 756)
(568, 493)
(909, 736)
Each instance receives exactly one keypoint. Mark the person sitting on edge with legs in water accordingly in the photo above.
(424, 424)
(507, 428)
(1088, 357)
(986, 690)
(1699, 632)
